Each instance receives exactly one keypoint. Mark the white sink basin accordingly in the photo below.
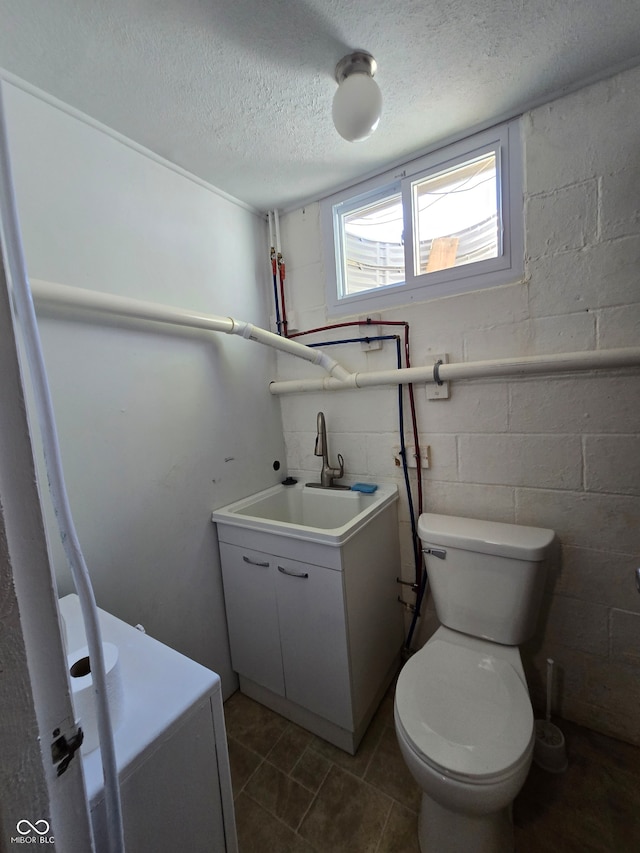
(321, 515)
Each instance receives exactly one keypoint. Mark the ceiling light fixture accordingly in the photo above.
(357, 103)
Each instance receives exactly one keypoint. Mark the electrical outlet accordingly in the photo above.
(412, 461)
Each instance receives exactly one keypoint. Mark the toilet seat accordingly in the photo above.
(464, 711)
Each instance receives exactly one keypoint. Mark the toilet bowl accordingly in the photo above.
(465, 729)
(462, 712)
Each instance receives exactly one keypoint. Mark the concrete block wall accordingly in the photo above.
(560, 452)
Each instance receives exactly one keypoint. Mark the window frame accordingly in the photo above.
(508, 267)
(349, 205)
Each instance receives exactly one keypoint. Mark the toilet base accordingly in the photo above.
(443, 831)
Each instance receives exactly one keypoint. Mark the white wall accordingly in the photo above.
(560, 452)
(157, 425)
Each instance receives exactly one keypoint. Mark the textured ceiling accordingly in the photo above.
(238, 92)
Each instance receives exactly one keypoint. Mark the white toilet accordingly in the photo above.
(463, 715)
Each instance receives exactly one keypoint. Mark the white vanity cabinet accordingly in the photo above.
(287, 629)
(315, 630)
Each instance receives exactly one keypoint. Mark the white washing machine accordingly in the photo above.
(171, 747)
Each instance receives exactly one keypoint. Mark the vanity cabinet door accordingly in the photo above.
(313, 639)
(252, 615)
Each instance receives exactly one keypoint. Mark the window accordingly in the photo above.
(448, 222)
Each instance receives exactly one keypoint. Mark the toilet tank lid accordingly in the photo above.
(486, 537)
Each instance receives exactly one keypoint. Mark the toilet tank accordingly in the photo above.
(486, 577)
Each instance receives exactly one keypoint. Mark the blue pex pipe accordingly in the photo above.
(364, 340)
(275, 297)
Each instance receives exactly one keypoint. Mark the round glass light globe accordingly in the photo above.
(357, 107)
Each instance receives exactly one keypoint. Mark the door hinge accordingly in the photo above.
(64, 748)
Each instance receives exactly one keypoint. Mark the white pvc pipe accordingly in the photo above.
(561, 362)
(60, 295)
(525, 365)
(315, 356)
(276, 219)
(272, 244)
(26, 315)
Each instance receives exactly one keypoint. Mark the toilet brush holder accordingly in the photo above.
(550, 749)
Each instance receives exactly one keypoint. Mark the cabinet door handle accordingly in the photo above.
(255, 562)
(293, 574)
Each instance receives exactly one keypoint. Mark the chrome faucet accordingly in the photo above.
(328, 473)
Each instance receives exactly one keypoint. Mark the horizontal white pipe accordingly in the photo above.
(60, 295)
(560, 362)
(525, 365)
(46, 293)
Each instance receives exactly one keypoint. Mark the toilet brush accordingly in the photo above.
(549, 751)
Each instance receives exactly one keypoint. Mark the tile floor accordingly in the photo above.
(295, 793)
